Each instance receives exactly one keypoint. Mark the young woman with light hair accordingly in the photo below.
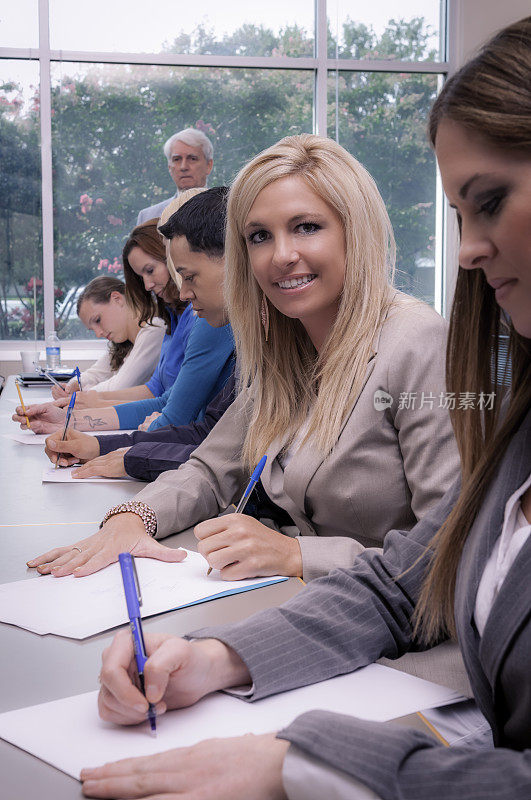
(341, 379)
(105, 308)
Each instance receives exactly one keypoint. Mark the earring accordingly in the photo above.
(264, 315)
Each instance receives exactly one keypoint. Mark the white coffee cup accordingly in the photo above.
(30, 360)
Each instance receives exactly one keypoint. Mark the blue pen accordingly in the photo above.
(133, 598)
(255, 477)
(68, 415)
(77, 373)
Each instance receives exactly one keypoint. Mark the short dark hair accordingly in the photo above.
(202, 221)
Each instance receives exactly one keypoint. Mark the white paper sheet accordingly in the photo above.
(32, 399)
(81, 607)
(64, 475)
(69, 734)
(28, 437)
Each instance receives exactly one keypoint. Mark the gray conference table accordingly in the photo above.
(36, 669)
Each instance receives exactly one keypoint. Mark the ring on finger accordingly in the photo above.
(77, 548)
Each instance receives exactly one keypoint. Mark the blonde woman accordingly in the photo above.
(342, 382)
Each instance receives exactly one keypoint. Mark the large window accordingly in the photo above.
(89, 94)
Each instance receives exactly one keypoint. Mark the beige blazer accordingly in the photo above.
(387, 469)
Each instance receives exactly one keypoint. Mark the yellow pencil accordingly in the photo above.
(22, 403)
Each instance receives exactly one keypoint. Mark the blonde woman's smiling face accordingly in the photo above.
(296, 248)
(491, 191)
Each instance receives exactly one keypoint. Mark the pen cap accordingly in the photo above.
(255, 477)
(72, 401)
(129, 582)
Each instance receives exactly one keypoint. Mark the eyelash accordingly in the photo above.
(492, 205)
(313, 225)
(189, 278)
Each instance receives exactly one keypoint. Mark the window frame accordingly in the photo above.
(320, 64)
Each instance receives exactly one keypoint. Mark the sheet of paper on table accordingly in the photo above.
(28, 437)
(69, 734)
(32, 399)
(81, 607)
(64, 475)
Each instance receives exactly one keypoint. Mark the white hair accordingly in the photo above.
(193, 138)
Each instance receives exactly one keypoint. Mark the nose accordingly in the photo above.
(99, 332)
(149, 283)
(284, 254)
(476, 247)
(185, 293)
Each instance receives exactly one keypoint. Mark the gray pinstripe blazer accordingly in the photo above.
(353, 616)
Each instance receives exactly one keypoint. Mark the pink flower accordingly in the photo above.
(99, 201)
(29, 285)
(104, 263)
(114, 220)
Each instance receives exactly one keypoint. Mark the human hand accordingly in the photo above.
(43, 418)
(76, 447)
(88, 399)
(177, 674)
(241, 547)
(240, 768)
(59, 392)
(148, 420)
(121, 533)
(110, 465)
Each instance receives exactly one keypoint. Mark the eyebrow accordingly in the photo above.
(463, 191)
(296, 218)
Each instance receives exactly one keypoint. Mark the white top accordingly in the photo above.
(138, 365)
(516, 529)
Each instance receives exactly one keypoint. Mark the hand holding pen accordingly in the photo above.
(67, 421)
(133, 599)
(255, 477)
(77, 374)
(22, 404)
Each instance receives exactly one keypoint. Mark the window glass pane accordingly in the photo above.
(379, 31)
(20, 201)
(207, 27)
(381, 119)
(109, 126)
(19, 24)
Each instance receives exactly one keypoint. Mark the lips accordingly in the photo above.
(294, 283)
(497, 283)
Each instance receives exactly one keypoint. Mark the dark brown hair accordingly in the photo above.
(99, 290)
(147, 237)
(490, 96)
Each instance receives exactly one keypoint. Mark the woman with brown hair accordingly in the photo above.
(134, 343)
(153, 295)
(463, 569)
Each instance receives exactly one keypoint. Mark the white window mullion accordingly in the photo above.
(46, 167)
(321, 77)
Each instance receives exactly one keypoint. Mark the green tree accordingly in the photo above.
(110, 122)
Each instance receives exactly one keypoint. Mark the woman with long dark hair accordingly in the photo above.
(464, 569)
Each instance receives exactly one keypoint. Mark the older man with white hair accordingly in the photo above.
(190, 158)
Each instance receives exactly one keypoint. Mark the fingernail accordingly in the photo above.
(30, 563)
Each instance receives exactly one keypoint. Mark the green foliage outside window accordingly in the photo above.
(109, 123)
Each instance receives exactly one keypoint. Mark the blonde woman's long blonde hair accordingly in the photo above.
(289, 381)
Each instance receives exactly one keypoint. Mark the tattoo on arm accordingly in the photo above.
(94, 422)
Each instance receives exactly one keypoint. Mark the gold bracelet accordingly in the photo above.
(145, 512)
